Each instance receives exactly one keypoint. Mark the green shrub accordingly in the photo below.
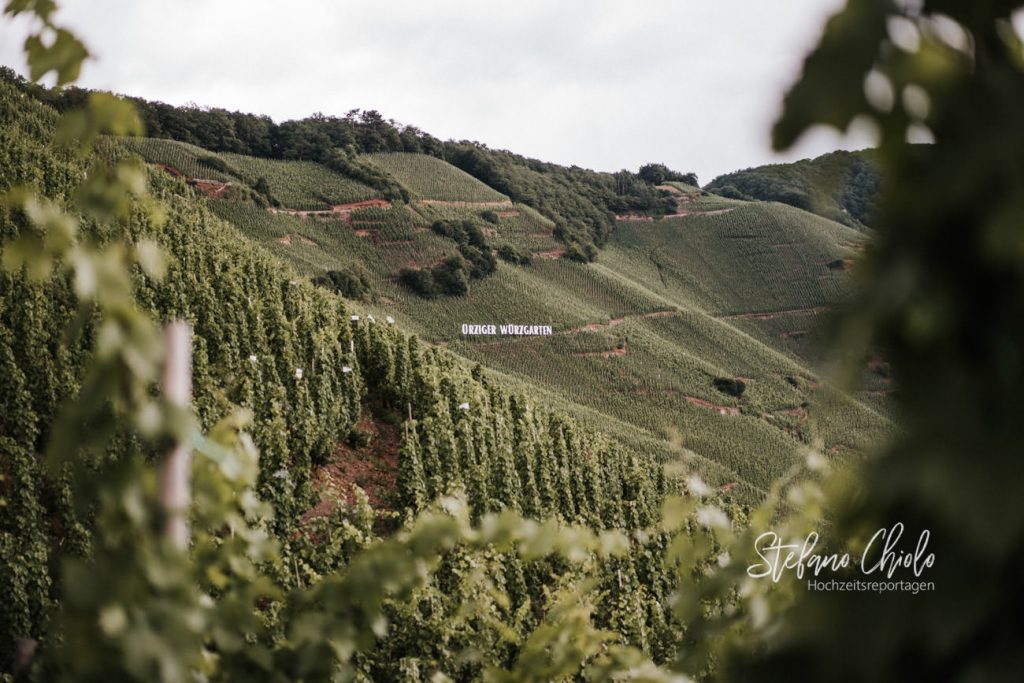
(730, 386)
(350, 284)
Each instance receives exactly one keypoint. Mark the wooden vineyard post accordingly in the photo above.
(174, 485)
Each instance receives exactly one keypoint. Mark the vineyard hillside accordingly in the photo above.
(431, 178)
(339, 397)
(712, 314)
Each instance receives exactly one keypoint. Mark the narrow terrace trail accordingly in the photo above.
(771, 315)
(592, 327)
(505, 203)
(682, 200)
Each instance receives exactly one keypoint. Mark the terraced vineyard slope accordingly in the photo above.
(692, 336)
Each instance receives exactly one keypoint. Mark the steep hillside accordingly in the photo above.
(841, 186)
(709, 313)
(433, 179)
(325, 381)
(681, 311)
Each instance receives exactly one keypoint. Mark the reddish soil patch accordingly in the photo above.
(721, 410)
(684, 212)
(771, 315)
(343, 211)
(362, 233)
(550, 255)
(633, 217)
(287, 239)
(298, 212)
(840, 449)
(725, 488)
(507, 214)
(170, 169)
(794, 334)
(682, 200)
(602, 354)
(442, 202)
(211, 188)
(597, 327)
(789, 420)
(365, 204)
(374, 468)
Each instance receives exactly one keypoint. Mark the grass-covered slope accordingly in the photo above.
(841, 186)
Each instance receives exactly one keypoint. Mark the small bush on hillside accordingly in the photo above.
(510, 254)
(732, 387)
(576, 253)
(359, 438)
(450, 277)
(473, 245)
(350, 284)
(729, 192)
(419, 280)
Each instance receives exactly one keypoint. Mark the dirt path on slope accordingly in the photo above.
(343, 211)
(507, 203)
(602, 354)
(682, 200)
(597, 327)
(771, 315)
(721, 410)
(374, 468)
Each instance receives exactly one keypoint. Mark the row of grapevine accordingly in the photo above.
(303, 185)
(183, 158)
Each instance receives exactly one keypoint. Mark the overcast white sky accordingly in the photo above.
(607, 85)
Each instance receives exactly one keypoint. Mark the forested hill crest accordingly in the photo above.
(841, 186)
(582, 203)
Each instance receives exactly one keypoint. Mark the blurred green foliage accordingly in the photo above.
(943, 295)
